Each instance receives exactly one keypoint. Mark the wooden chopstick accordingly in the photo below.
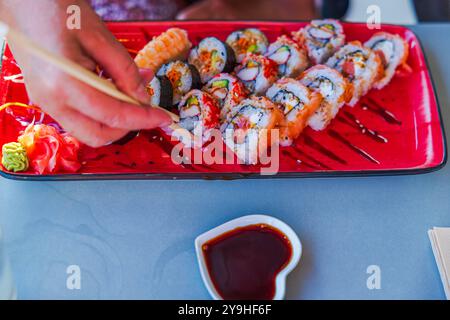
(80, 73)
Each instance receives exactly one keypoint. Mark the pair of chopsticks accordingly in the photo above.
(78, 72)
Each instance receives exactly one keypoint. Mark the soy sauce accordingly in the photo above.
(243, 263)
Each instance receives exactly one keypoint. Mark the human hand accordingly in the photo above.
(90, 116)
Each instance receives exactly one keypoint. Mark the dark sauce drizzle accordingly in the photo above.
(299, 161)
(315, 145)
(126, 165)
(98, 157)
(358, 150)
(352, 121)
(375, 107)
(167, 147)
(310, 158)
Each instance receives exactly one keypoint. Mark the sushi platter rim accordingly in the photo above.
(237, 175)
(280, 280)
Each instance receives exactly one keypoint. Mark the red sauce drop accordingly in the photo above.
(243, 263)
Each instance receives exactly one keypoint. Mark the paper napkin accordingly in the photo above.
(440, 242)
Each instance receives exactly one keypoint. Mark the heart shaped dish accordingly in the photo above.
(248, 258)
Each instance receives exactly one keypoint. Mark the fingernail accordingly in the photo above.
(146, 74)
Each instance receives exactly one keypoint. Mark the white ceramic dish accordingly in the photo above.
(280, 281)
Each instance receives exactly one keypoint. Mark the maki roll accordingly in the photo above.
(298, 104)
(291, 59)
(247, 132)
(160, 91)
(182, 76)
(334, 89)
(321, 38)
(245, 41)
(212, 57)
(228, 91)
(360, 65)
(199, 114)
(257, 73)
(393, 51)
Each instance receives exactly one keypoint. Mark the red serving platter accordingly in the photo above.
(396, 130)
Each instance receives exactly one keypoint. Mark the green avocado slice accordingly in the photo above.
(192, 100)
(252, 48)
(220, 83)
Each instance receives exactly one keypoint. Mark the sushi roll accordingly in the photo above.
(168, 46)
(245, 41)
(360, 65)
(199, 114)
(182, 76)
(393, 51)
(212, 57)
(257, 73)
(247, 132)
(321, 38)
(291, 59)
(297, 103)
(334, 89)
(228, 91)
(160, 91)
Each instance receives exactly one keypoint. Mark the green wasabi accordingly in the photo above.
(14, 157)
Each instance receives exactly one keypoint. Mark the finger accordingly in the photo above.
(86, 130)
(115, 59)
(146, 74)
(112, 112)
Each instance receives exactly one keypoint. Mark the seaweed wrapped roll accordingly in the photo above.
(160, 91)
(199, 113)
(182, 76)
(250, 40)
(212, 57)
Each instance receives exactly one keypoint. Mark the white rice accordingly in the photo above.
(252, 35)
(261, 82)
(185, 83)
(394, 50)
(259, 116)
(332, 86)
(321, 41)
(366, 67)
(227, 98)
(296, 62)
(291, 106)
(208, 45)
(155, 85)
